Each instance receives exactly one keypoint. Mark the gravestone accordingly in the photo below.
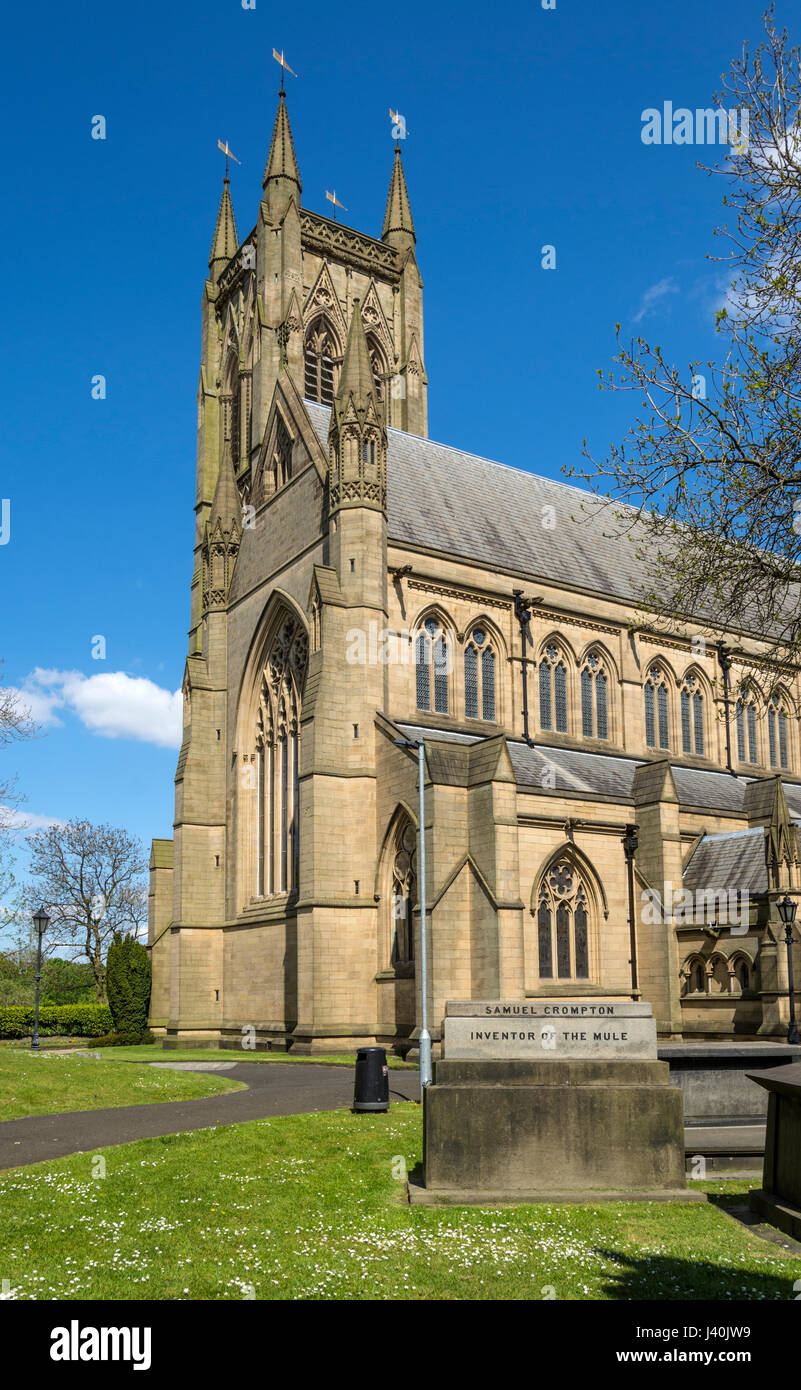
(549, 1100)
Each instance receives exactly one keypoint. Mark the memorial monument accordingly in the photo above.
(551, 1100)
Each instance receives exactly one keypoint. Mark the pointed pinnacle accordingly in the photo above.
(226, 506)
(356, 379)
(281, 161)
(398, 216)
(225, 241)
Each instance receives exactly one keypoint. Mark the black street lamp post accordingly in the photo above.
(787, 911)
(630, 843)
(41, 921)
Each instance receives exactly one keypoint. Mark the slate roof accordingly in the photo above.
(439, 499)
(730, 861)
(573, 771)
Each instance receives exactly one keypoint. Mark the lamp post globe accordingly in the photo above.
(41, 921)
(787, 910)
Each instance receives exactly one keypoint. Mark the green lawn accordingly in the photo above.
(154, 1052)
(308, 1207)
(44, 1084)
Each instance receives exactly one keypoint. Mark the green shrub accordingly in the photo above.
(128, 976)
(122, 1039)
(59, 1021)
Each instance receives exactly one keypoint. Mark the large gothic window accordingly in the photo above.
(319, 364)
(277, 757)
(745, 713)
(403, 893)
(432, 666)
(657, 723)
(777, 733)
(553, 691)
(479, 676)
(563, 922)
(692, 718)
(594, 699)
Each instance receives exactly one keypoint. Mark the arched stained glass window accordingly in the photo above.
(745, 715)
(479, 695)
(432, 657)
(657, 721)
(777, 733)
(563, 923)
(403, 892)
(594, 717)
(277, 755)
(320, 354)
(692, 718)
(553, 691)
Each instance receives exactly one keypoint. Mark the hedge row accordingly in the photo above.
(56, 1020)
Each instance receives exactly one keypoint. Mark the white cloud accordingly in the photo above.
(27, 820)
(654, 294)
(111, 704)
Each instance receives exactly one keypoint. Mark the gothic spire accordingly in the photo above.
(282, 167)
(356, 382)
(398, 227)
(225, 241)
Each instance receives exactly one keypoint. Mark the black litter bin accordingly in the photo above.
(371, 1084)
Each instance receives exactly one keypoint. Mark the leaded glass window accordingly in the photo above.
(432, 667)
(594, 717)
(479, 698)
(686, 743)
(752, 734)
(601, 705)
(563, 923)
(544, 941)
(650, 723)
(277, 781)
(488, 683)
(692, 718)
(471, 683)
(553, 691)
(586, 703)
(657, 722)
(319, 365)
(545, 694)
(698, 723)
(777, 733)
(422, 662)
(404, 879)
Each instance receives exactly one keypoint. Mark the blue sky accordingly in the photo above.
(524, 130)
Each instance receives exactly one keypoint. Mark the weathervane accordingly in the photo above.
(229, 154)
(399, 131)
(332, 198)
(279, 58)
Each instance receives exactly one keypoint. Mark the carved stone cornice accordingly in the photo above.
(468, 595)
(346, 245)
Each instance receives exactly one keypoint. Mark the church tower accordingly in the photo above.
(303, 312)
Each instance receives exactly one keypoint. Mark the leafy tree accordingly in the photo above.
(91, 879)
(128, 975)
(712, 468)
(15, 723)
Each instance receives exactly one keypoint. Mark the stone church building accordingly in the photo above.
(355, 584)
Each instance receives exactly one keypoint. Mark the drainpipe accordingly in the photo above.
(725, 665)
(523, 615)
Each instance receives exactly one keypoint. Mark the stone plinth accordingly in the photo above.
(779, 1200)
(542, 1029)
(571, 1118)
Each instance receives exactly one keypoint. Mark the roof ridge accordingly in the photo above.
(481, 458)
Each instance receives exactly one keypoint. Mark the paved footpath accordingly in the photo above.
(278, 1088)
